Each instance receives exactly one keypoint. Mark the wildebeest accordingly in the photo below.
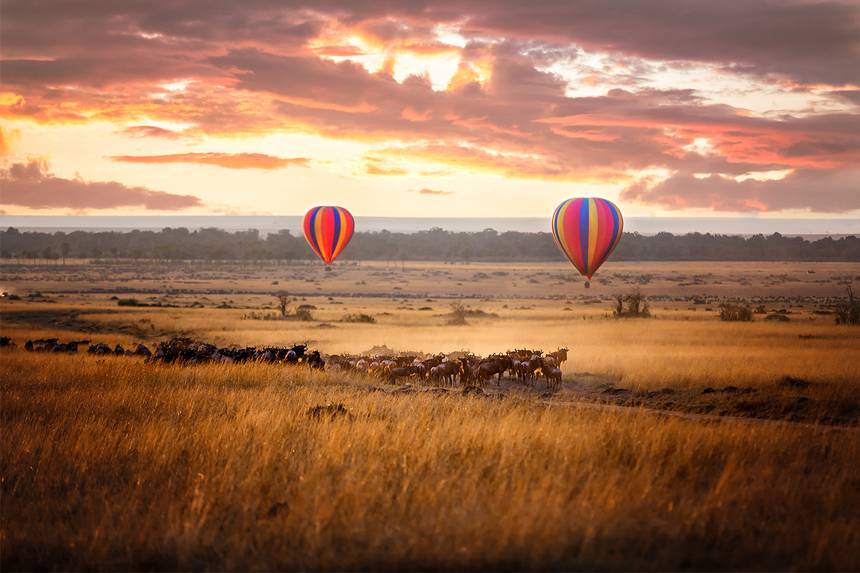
(553, 376)
(400, 372)
(446, 372)
(99, 348)
(492, 366)
(41, 345)
(142, 350)
(559, 355)
(525, 365)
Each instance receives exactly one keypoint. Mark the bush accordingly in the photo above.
(357, 317)
(458, 314)
(776, 317)
(632, 305)
(735, 312)
(129, 302)
(848, 310)
(304, 314)
(261, 316)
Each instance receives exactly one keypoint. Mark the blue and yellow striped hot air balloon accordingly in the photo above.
(587, 230)
(328, 230)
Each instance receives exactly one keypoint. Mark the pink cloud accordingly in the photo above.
(426, 191)
(830, 191)
(228, 160)
(256, 67)
(32, 185)
(152, 131)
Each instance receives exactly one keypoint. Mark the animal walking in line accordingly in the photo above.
(526, 366)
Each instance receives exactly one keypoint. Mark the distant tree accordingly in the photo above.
(633, 305)
(283, 304)
(434, 245)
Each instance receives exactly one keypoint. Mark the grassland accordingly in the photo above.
(112, 463)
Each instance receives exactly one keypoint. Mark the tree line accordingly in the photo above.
(432, 245)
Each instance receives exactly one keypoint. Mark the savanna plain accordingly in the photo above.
(676, 441)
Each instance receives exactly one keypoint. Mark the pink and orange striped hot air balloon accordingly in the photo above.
(587, 231)
(328, 230)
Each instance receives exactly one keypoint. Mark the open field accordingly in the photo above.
(113, 463)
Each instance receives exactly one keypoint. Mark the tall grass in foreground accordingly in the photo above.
(115, 464)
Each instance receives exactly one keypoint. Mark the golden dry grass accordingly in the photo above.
(110, 463)
(116, 464)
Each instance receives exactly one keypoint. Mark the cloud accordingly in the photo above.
(32, 185)
(818, 191)
(227, 160)
(4, 143)
(374, 169)
(812, 42)
(152, 131)
(328, 68)
(426, 191)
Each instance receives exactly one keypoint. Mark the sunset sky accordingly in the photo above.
(433, 108)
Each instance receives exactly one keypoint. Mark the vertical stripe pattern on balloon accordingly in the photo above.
(587, 230)
(328, 231)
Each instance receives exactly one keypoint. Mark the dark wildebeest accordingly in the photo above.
(420, 370)
(70, 347)
(492, 366)
(400, 372)
(465, 371)
(447, 371)
(531, 368)
(553, 376)
(559, 355)
(315, 360)
(99, 348)
(142, 350)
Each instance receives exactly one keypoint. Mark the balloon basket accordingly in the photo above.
(327, 268)
(587, 284)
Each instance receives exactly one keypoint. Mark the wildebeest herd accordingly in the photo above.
(523, 365)
(185, 351)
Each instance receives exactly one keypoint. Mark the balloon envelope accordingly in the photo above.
(328, 230)
(587, 231)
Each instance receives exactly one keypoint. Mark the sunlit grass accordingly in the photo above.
(112, 463)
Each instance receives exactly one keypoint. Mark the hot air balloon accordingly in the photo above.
(328, 230)
(587, 231)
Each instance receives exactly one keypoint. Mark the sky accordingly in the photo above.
(442, 108)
